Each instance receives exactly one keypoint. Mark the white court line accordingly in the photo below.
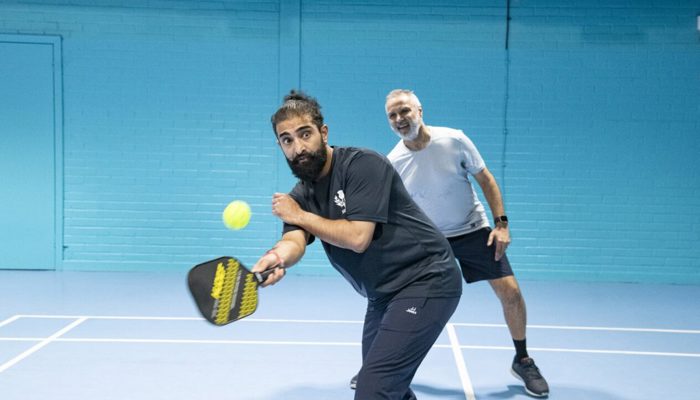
(461, 365)
(137, 318)
(187, 341)
(591, 351)
(316, 321)
(41, 344)
(622, 352)
(585, 328)
(356, 344)
(324, 321)
(115, 317)
(10, 320)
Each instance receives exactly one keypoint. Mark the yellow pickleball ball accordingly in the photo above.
(236, 215)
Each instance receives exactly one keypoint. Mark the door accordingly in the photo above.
(30, 152)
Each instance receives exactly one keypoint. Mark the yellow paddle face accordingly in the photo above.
(224, 290)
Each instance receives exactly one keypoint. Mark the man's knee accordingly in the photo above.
(508, 291)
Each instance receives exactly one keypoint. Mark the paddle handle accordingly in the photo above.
(262, 276)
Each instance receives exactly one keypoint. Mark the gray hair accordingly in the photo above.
(407, 92)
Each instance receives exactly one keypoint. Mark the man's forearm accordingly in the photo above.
(289, 251)
(489, 187)
(352, 235)
(493, 197)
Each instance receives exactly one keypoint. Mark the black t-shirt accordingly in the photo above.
(408, 254)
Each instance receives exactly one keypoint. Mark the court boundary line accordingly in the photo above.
(586, 328)
(41, 344)
(330, 321)
(336, 344)
(332, 344)
(10, 320)
(450, 328)
(461, 364)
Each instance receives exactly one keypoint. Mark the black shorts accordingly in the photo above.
(477, 259)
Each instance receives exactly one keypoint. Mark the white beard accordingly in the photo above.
(411, 135)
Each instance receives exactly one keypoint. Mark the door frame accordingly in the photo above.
(56, 43)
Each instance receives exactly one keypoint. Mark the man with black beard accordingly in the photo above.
(375, 235)
(308, 165)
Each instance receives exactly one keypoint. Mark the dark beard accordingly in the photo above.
(313, 164)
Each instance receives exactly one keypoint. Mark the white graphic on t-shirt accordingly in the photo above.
(340, 200)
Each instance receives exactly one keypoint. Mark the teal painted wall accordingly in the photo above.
(589, 120)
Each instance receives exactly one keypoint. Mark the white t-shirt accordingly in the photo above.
(437, 178)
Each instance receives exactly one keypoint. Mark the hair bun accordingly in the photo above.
(298, 104)
(294, 95)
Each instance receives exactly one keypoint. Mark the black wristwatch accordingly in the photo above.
(502, 219)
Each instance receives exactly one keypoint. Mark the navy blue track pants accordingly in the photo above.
(397, 336)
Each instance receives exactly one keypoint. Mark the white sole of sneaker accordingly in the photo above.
(525, 387)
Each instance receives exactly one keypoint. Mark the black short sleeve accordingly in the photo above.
(368, 188)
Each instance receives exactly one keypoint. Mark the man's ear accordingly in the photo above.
(324, 133)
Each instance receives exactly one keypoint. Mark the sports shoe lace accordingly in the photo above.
(531, 370)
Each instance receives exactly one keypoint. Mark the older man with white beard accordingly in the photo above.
(435, 164)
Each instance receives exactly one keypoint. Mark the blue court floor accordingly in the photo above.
(137, 336)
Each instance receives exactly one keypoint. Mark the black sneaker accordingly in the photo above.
(527, 371)
(353, 382)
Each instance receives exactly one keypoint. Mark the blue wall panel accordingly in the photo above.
(589, 120)
(603, 119)
(166, 108)
(354, 53)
